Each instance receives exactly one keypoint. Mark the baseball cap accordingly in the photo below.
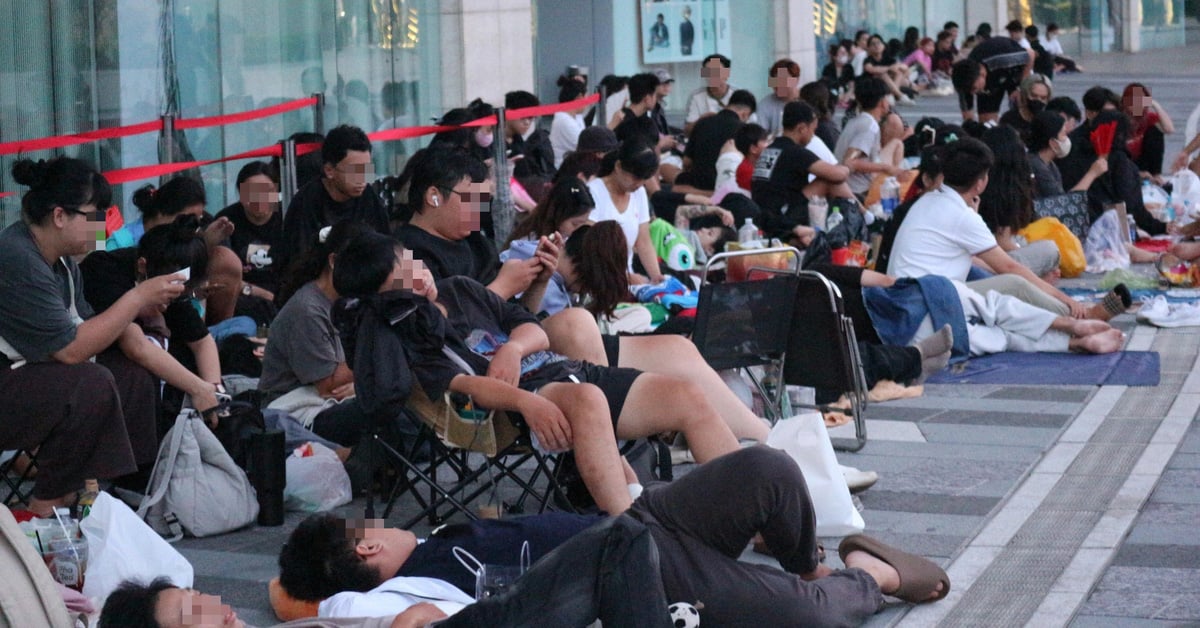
(663, 76)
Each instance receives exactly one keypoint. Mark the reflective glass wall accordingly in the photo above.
(75, 65)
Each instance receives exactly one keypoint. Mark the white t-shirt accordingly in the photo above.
(564, 134)
(701, 102)
(395, 596)
(938, 237)
(636, 213)
(862, 133)
(1053, 46)
(818, 147)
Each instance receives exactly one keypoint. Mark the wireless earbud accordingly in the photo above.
(436, 201)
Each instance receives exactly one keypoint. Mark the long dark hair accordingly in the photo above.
(61, 182)
(598, 255)
(310, 265)
(1007, 201)
(568, 199)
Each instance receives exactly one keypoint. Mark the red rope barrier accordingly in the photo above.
(138, 173)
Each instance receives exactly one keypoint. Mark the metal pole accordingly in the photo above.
(502, 204)
(287, 173)
(319, 113)
(167, 139)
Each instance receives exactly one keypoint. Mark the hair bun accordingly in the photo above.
(30, 173)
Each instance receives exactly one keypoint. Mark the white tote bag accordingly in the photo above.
(122, 547)
(806, 439)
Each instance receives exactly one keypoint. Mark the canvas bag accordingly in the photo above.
(195, 486)
(29, 596)
(806, 439)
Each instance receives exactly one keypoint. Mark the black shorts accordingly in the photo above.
(612, 348)
(613, 381)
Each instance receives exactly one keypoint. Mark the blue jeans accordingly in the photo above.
(237, 325)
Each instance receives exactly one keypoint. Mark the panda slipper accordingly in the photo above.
(918, 576)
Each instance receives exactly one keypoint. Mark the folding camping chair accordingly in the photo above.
(743, 324)
(825, 354)
(456, 442)
(19, 482)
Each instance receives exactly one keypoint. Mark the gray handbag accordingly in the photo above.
(195, 485)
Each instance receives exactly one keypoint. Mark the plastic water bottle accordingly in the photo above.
(818, 211)
(835, 219)
(889, 196)
(748, 232)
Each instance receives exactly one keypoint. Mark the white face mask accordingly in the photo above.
(1063, 149)
(484, 138)
(842, 59)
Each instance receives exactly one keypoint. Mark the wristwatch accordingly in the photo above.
(246, 289)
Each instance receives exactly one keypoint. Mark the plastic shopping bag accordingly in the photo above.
(1071, 260)
(316, 480)
(1105, 249)
(121, 547)
(806, 439)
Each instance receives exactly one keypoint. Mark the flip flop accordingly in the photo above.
(918, 576)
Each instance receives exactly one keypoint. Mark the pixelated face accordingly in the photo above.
(259, 197)
(84, 229)
(1137, 101)
(411, 274)
(465, 202)
(519, 126)
(783, 83)
(180, 608)
(379, 546)
(351, 175)
(714, 73)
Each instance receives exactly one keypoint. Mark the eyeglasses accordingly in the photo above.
(473, 197)
(92, 216)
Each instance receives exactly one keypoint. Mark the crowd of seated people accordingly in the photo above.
(138, 327)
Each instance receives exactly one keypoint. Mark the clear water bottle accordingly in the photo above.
(835, 219)
(818, 211)
(748, 232)
(889, 196)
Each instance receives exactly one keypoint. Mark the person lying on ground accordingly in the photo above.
(460, 338)
(697, 525)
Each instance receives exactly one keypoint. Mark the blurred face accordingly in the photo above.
(626, 181)
(459, 213)
(177, 608)
(83, 230)
(520, 126)
(259, 197)
(1039, 92)
(664, 90)
(1135, 105)
(410, 274)
(714, 73)
(568, 226)
(861, 41)
(350, 176)
(783, 83)
(875, 46)
(928, 48)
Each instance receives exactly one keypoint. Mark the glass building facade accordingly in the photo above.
(69, 66)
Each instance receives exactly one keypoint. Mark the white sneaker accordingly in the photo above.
(905, 100)
(858, 481)
(1154, 308)
(1181, 315)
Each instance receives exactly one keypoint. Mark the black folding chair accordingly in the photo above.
(743, 324)
(18, 480)
(823, 351)
(475, 469)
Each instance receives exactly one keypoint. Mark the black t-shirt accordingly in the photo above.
(253, 244)
(884, 62)
(313, 209)
(638, 128)
(1013, 118)
(108, 275)
(1005, 60)
(778, 185)
(704, 146)
(474, 256)
(829, 132)
(837, 81)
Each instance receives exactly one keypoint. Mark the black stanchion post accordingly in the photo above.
(319, 113)
(268, 475)
(502, 203)
(166, 139)
(287, 173)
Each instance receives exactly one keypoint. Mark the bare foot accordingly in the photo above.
(884, 574)
(1103, 342)
(1086, 327)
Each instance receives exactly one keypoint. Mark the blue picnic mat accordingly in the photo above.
(1123, 368)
